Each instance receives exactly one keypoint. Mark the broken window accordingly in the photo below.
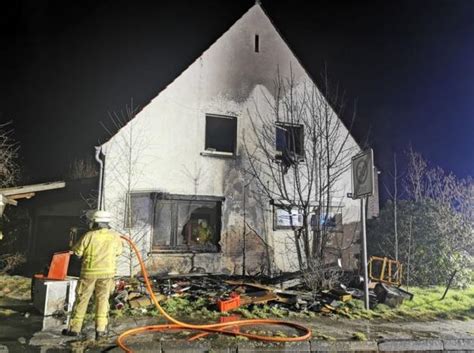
(163, 224)
(289, 140)
(221, 133)
(183, 223)
(137, 210)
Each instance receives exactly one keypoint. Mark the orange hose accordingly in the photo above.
(222, 328)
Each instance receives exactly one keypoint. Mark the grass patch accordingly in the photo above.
(179, 307)
(261, 312)
(458, 303)
(15, 287)
(426, 305)
(322, 336)
(359, 336)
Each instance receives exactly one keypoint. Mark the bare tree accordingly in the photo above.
(9, 174)
(9, 170)
(124, 171)
(394, 196)
(450, 199)
(417, 168)
(297, 151)
(82, 168)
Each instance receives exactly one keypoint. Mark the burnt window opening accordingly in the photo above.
(137, 210)
(187, 224)
(257, 43)
(221, 133)
(289, 141)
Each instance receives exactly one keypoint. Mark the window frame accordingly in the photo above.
(175, 200)
(208, 151)
(281, 209)
(300, 157)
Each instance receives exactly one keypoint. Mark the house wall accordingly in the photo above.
(168, 137)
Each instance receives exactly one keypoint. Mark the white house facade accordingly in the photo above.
(174, 175)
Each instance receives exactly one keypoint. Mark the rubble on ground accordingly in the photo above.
(223, 293)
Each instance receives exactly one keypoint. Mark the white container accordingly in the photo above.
(51, 296)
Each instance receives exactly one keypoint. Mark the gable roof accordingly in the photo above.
(258, 12)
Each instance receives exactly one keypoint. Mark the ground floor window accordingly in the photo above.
(187, 223)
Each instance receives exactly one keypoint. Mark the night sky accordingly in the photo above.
(66, 64)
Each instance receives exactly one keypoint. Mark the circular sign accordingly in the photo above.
(362, 171)
(362, 174)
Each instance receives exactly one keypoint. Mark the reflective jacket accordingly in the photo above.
(99, 250)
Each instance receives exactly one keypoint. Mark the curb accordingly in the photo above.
(343, 346)
(464, 345)
(319, 346)
(411, 346)
(299, 347)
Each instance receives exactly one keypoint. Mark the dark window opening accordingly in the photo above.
(136, 210)
(257, 43)
(221, 133)
(290, 140)
(187, 225)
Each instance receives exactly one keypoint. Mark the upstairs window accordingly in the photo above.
(221, 134)
(289, 140)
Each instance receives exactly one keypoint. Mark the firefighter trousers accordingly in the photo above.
(102, 287)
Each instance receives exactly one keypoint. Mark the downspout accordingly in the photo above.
(100, 203)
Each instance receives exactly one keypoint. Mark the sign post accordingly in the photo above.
(362, 188)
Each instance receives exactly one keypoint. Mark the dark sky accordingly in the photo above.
(66, 64)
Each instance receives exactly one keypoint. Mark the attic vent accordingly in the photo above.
(257, 43)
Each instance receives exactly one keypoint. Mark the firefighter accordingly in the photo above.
(98, 249)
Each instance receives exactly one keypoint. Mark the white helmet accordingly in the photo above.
(100, 216)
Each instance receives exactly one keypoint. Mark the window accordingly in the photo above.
(187, 223)
(289, 139)
(137, 210)
(257, 43)
(221, 133)
(331, 221)
(286, 219)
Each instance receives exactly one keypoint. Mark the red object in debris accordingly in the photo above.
(58, 267)
(226, 305)
(229, 319)
(119, 285)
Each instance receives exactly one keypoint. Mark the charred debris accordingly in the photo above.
(224, 293)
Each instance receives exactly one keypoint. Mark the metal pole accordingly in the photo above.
(364, 256)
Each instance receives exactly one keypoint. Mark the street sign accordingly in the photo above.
(363, 186)
(363, 174)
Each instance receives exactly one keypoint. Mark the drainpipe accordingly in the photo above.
(98, 150)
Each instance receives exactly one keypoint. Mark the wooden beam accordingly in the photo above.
(20, 190)
(27, 195)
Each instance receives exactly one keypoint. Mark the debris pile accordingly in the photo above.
(223, 293)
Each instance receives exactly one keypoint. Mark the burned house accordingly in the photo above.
(175, 175)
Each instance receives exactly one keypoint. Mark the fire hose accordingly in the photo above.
(221, 328)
